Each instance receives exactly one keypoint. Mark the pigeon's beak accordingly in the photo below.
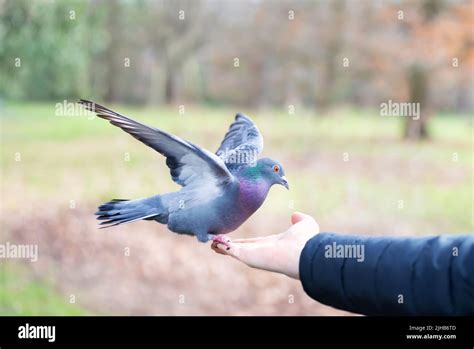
(284, 182)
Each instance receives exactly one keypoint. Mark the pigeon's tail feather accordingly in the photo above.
(119, 211)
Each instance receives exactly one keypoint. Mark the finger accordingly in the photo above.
(248, 240)
(232, 250)
(258, 239)
(217, 250)
(257, 255)
(217, 246)
(222, 247)
(261, 256)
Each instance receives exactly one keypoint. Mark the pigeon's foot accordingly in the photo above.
(221, 239)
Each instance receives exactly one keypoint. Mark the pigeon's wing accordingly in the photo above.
(189, 164)
(242, 143)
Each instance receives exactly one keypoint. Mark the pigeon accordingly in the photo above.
(219, 191)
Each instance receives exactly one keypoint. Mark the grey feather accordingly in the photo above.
(242, 143)
(189, 164)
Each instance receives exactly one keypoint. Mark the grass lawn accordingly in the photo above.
(21, 294)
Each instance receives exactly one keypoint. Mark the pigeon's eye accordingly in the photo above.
(276, 168)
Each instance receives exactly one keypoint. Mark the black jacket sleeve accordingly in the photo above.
(391, 275)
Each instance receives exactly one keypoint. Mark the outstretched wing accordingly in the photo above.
(242, 143)
(190, 165)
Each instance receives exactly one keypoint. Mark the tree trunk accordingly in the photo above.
(418, 90)
(115, 63)
(170, 85)
(331, 57)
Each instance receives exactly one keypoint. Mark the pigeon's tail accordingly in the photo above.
(120, 211)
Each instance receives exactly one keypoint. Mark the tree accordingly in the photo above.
(177, 30)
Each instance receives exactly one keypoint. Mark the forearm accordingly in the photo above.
(386, 275)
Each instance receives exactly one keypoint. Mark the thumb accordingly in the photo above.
(297, 217)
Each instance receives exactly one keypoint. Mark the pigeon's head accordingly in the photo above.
(273, 171)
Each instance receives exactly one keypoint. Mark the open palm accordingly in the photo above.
(278, 253)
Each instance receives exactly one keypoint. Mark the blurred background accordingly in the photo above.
(314, 75)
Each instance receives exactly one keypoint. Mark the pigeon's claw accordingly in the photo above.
(221, 239)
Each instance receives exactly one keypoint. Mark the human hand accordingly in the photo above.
(279, 253)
